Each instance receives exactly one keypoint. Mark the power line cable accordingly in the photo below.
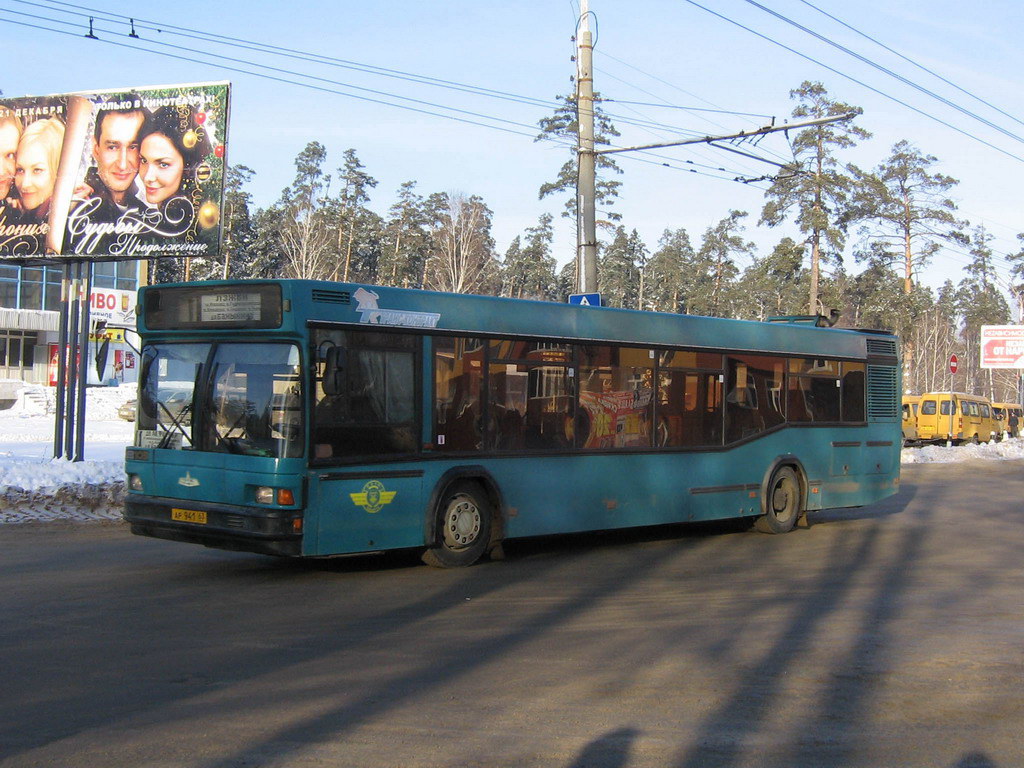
(171, 29)
(855, 80)
(325, 89)
(309, 57)
(296, 82)
(673, 86)
(912, 62)
(689, 109)
(885, 70)
(693, 149)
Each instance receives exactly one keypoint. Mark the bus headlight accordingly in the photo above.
(267, 495)
(134, 482)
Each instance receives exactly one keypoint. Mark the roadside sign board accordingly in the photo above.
(953, 363)
(1002, 346)
(585, 299)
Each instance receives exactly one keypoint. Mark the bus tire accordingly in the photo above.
(463, 527)
(783, 502)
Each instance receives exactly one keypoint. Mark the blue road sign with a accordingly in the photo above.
(585, 299)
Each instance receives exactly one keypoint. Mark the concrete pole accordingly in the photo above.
(586, 185)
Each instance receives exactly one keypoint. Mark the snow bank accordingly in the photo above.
(34, 490)
(1009, 449)
(37, 488)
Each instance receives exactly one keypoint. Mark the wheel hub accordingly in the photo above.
(462, 523)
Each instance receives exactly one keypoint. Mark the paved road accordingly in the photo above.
(886, 636)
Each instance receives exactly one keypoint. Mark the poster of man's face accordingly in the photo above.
(115, 149)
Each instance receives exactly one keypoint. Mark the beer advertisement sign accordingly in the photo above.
(113, 175)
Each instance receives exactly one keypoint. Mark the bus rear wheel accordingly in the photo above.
(463, 527)
(782, 504)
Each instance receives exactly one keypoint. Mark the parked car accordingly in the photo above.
(174, 401)
(127, 411)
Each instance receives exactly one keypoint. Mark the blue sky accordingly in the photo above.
(669, 52)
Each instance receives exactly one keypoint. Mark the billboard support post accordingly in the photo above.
(70, 383)
(62, 369)
(83, 362)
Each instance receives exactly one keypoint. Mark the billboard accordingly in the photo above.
(113, 175)
(1002, 346)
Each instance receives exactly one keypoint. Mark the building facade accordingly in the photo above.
(30, 303)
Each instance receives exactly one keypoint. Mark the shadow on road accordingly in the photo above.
(729, 606)
(609, 751)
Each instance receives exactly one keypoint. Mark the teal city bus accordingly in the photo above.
(307, 418)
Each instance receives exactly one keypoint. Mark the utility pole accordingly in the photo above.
(586, 180)
(586, 185)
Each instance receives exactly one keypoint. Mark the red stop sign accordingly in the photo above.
(952, 363)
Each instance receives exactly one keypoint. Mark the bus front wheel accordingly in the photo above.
(783, 503)
(463, 527)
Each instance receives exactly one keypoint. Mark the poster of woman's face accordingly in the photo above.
(113, 175)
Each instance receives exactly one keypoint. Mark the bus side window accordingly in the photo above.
(616, 405)
(689, 409)
(750, 405)
(458, 385)
(928, 408)
(854, 398)
(374, 411)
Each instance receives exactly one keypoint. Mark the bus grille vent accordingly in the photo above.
(883, 392)
(883, 347)
(331, 297)
(234, 521)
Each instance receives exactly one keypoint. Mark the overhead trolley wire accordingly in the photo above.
(886, 70)
(279, 77)
(855, 80)
(912, 62)
(85, 12)
(289, 81)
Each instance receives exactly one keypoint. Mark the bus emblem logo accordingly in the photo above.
(373, 497)
(188, 481)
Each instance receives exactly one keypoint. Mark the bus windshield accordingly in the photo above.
(222, 398)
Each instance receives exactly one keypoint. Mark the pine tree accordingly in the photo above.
(239, 228)
(711, 286)
(816, 188)
(1016, 261)
(529, 270)
(563, 126)
(619, 275)
(906, 209)
(568, 281)
(357, 227)
(774, 285)
(304, 233)
(664, 273)
(407, 241)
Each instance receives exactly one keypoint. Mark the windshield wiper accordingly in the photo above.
(176, 423)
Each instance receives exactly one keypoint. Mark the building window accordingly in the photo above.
(15, 351)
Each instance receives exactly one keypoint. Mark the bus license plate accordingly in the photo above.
(189, 516)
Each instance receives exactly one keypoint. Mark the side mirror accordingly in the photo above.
(333, 378)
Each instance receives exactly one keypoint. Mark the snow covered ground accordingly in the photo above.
(34, 487)
(37, 488)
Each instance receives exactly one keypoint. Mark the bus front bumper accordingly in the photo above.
(243, 529)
